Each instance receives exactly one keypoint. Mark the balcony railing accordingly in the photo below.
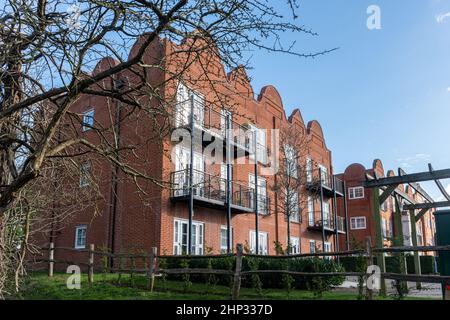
(330, 182)
(213, 188)
(215, 123)
(328, 223)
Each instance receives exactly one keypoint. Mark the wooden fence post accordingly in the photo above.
(369, 292)
(152, 268)
(91, 264)
(51, 256)
(237, 273)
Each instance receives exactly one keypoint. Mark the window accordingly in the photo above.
(419, 234)
(80, 237)
(183, 108)
(223, 179)
(261, 143)
(326, 215)
(311, 221)
(180, 239)
(384, 226)
(312, 246)
(294, 245)
(324, 175)
(327, 248)
(383, 206)
(224, 114)
(262, 193)
(290, 161)
(358, 223)
(356, 193)
(181, 177)
(88, 120)
(85, 174)
(263, 242)
(309, 170)
(224, 239)
(291, 205)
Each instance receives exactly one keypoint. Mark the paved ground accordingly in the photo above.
(429, 290)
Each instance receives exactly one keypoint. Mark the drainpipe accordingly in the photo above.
(191, 178)
(256, 193)
(229, 186)
(115, 187)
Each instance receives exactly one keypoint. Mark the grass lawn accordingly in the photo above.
(38, 286)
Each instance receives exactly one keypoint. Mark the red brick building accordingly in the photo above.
(125, 219)
(361, 210)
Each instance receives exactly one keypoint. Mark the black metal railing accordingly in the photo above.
(215, 122)
(317, 176)
(212, 187)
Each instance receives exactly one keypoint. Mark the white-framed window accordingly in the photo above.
(309, 170)
(261, 143)
(295, 245)
(326, 214)
(180, 239)
(290, 161)
(324, 175)
(358, 223)
(291, 205)
(384, 227)
(88, 120)
(224, 239)
(312, 246)
(224, 177)
(419, 233)
(384, 205)
(181, 178)
(183, 107)
(263, 242)
(327, 248)
(80, 236)
(85, 173)
(262, 193)
(311, 217)
(356, 193)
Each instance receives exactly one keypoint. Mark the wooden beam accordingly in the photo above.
(415, 177)
(439, 184)
(398, 192)
(417, 267)
(427, 205)
(417, 187)
(387, 192)
(421, 214)
(379, 236)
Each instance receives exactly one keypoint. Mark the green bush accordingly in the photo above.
(272, 280)
(393, 264)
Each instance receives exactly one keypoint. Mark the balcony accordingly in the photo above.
(330, 184)
(328, 225)
(210, 191)
(213, 125)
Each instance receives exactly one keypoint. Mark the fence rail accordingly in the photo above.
(152, 269)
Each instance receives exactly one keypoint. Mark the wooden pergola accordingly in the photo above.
(389, 187)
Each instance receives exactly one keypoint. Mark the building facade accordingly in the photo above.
(223, 202)
(361, 210)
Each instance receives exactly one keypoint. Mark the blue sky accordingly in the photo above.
(384, 94)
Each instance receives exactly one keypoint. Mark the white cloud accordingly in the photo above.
(448, 89)
(441, 17)
(412, 161)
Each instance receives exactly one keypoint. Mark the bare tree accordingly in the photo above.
(49, 47)
(292, 178)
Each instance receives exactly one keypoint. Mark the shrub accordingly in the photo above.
(273, 280)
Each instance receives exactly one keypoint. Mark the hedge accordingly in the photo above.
(273, 280)
(393, 264)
